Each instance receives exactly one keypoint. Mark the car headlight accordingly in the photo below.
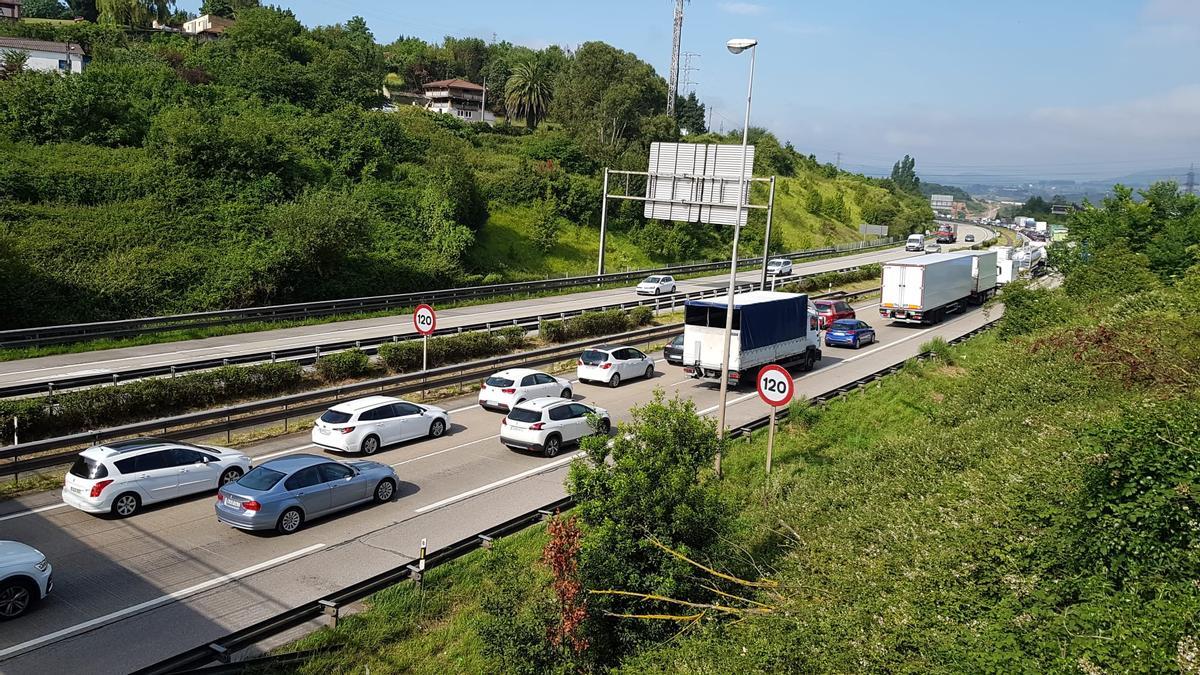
(43, 565)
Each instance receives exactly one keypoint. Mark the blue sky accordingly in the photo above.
(1052, 88)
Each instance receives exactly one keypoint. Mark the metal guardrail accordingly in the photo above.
(64, 333)
(308, 354)
(224, 648)
(205, 423)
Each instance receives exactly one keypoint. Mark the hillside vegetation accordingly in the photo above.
(174, 175)
(1024, 502)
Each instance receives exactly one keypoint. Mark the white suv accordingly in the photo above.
(547, 424)
(25, 578)
(780, 267)
(611, 365)
(507, 388)
(368, 424)
(122, 476)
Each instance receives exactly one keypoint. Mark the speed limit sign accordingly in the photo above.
(425, 320)
(775, 385)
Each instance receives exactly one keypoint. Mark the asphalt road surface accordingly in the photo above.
(131, 592)
(51, 368)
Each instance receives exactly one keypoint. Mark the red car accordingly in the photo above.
(829, 311)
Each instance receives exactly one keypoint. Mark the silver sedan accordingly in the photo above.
(284, 493)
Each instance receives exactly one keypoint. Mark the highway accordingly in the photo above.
(172, 577)
(51, 368)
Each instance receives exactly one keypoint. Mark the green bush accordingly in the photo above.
(343, 365)
(939, 349)
(404, 357)
(822, 281)
(102, 407)
(595, 324)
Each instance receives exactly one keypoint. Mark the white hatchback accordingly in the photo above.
(507, 388)
(547, 424)
(367, 424)
(25, 578)
(612, 365)
(123, 476)
(659, 283)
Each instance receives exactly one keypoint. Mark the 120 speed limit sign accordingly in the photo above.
(425, 320)
(775, 385)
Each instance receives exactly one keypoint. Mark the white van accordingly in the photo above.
(916, 242)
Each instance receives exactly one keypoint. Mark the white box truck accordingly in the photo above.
(924, 289)
(768, 327)
(984, 270)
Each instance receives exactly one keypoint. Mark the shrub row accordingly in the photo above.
(100, 407)
(824, 280)
(594, 324)
(401, 357)
(343, 365)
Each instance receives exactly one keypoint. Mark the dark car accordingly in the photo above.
(970, 237)
(673, 352)
(829, 311)
(849, 332)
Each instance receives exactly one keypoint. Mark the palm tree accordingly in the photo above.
(12, 61)
(529, 90)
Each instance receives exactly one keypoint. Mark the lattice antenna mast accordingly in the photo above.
(673, 86)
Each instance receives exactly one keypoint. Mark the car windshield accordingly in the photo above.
(844, 325)
(678, 341)
(524, 415)
(335, 417)
(778, 263)
(260, 478)
(496, 381)
(593, 357)
(88, 468)
(652, 280)
(823, 306)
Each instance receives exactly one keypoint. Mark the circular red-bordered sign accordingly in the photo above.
(775, 385)
(425, 320)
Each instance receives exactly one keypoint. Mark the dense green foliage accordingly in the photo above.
(403, 357)
(343, 365)
(104, 407)
(594, 324)
(176, 175)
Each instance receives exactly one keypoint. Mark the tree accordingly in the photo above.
(529, 91)
(134, 13)
(12, 61)
(904, 175)
(84, 8)
(45, 9)
(226, 8)
(690, 113)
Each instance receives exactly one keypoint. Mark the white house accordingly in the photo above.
(52, 57)
(460, 98)
(207, 26)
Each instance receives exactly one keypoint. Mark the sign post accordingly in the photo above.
(775, 388)
(425, 322)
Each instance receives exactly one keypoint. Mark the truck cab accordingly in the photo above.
(915, 242)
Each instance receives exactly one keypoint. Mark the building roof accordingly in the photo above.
(453, 84)
(40, 46)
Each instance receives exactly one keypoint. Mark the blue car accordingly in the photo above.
(849, 332)
(284, 493)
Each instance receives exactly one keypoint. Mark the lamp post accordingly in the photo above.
(735, 46)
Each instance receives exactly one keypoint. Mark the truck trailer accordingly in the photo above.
(768, 327)
(924, 289)
(984, 272)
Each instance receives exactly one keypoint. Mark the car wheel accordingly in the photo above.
(370, 445)
(656, 290)
(16, 596)
(126, 505)
(855, 343)
(615, 381)
(437, 428)
(290, 521)
(229, 476)
(385, 490)
(650, 371)
(552, 446)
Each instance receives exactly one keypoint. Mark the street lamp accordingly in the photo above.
(735, 46)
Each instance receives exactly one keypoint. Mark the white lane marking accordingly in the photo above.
(283, 452)
(30, 512)
(503, 481)
(151, 604)
(463, 409)
(439, 452)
